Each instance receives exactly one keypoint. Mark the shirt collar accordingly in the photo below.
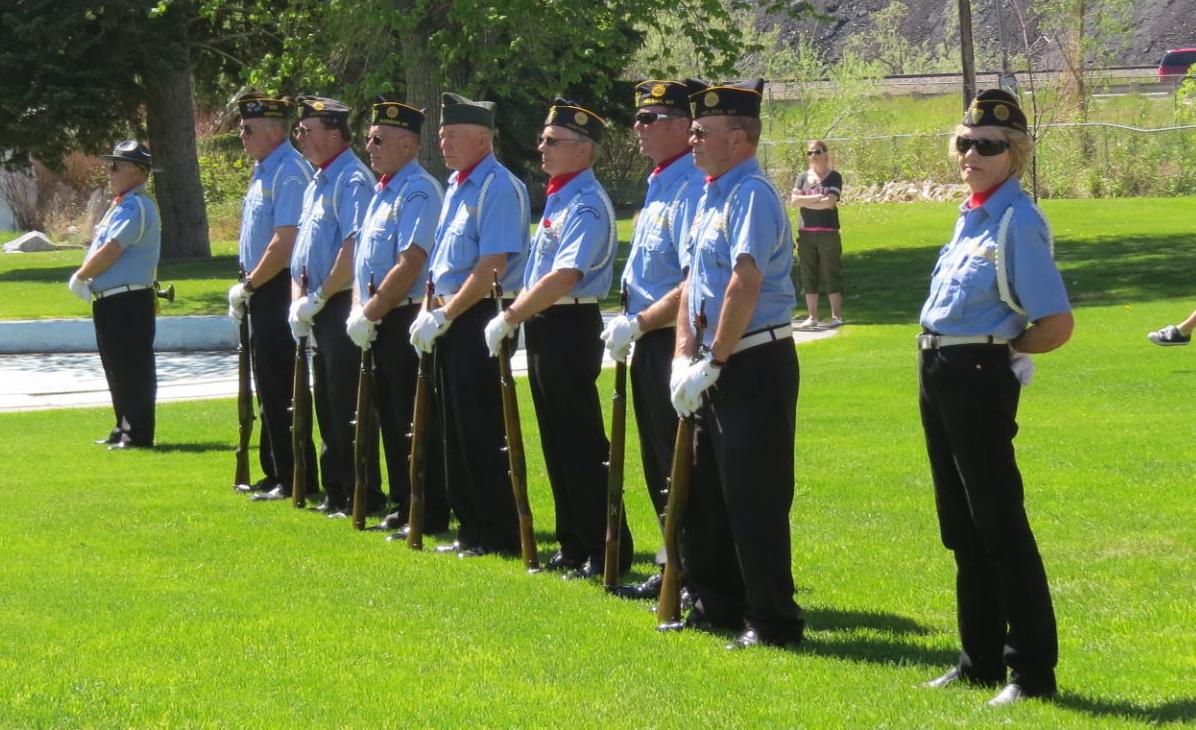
(272, 160)
(396, 179)
(730, 178)
(125, 193)
(460, 177)
(998, 200)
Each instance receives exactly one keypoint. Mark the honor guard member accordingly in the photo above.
(117, 278)
(744, 384)
(652, 279)
(391, 254)
(269, 221)
(995, 277)
(334, 206)
(568, 272)
(483, 228)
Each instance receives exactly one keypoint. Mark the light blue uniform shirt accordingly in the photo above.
(577, 232)
(964, 296)
(659, 247)
(401, 215)
(334, 205)
(741, 213)
(274, 200)
(134, 224)
(487, 214)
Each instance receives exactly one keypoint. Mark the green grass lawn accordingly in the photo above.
(139, 591)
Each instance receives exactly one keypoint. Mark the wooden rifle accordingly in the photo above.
(365, 433)
(300, 415)
(419, 425)
(614, 469)
(245, 413)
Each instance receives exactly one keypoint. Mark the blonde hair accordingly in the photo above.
(1021, 147)
(819, 144)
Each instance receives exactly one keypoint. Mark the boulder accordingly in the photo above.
(30, 243)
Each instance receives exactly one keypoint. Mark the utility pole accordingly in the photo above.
(965, 48)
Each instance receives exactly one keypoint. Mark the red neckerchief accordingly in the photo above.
(660, 168)
(383, 180)
(463, 174)
(978, 199)
(324, 165)
(121, 195)
(555, 183)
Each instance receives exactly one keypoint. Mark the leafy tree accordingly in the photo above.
(80, 74)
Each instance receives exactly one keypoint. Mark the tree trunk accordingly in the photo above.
(424, 83)
(170, 120)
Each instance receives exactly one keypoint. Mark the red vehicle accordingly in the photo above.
(1175, 63)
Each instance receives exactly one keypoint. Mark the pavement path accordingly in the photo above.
(37, 381)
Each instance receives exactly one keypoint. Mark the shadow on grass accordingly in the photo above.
(888, 286)
(198, 447)
(1178, 710)
(831, 633)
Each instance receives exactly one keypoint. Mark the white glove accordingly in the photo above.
(618, 335)
(497, 330)
(238, 300)
(299, 328)
(80, 287)
(362, 330)
(676, 378)
(1022, 366)
(426, 327)
(306, 307)
(691, 384)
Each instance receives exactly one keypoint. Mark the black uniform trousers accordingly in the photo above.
(736, 537)
(336, 366)
(651, 364)
(125, 328)
(968, 398)
(477, 474)
(272, 355)
(564, 358)
(396, 368)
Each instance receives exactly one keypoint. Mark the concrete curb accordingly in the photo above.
(174, 334)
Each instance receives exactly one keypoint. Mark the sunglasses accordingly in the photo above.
(302, 131)
(984, 147)
(554, 141)
(647, 118)
(703, 132)
(813, 153)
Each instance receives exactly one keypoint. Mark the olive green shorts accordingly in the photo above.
(819, 262)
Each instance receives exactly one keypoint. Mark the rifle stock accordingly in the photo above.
(614, 471)
(515, 455)
(300, 418)
(365, 434)
(668, 605)
(245, 413)
(419, 447)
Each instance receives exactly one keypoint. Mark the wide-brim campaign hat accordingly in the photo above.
(130, 150)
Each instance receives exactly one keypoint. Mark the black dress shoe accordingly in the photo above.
(955, 675)
(264, 484)
(111, 438)
(128, 445)
(325, 506)
(585, 572)
(694, 621)
(471, 552)
(1014, 693)
(648, 590)
(394, 521)
(343, 513)
(456, 546)
(274, 495)
(560, 562)
(751, 638)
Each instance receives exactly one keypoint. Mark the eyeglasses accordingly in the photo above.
(647, 118)
(303, 131)
(813, 153)
(553, 141)
(984, 147)
(246, 130)
(704, 132)
(375, 140)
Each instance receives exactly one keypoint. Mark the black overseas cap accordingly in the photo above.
(321, 106)
(133, 151)
(457, 109)
(664, 92)
(995, 108)
(390, 113)
(571, 115)
(733, 98)
(254, 105)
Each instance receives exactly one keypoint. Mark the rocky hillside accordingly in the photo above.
(1157, 25)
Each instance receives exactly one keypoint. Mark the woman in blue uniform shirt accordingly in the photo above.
(995, 297)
